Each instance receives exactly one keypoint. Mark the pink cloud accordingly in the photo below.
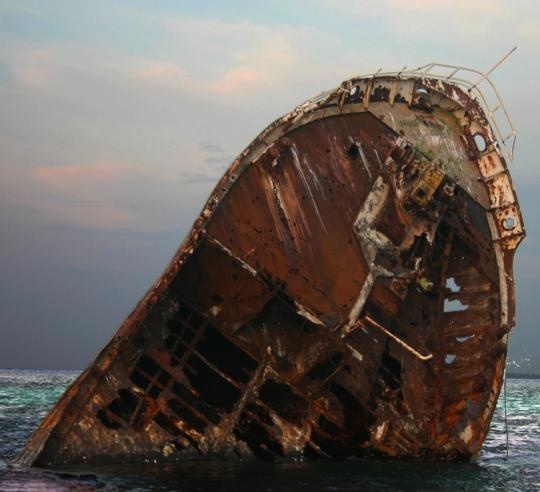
(97, 216)
(82, 194)
(159, 72)
(78, 174)
(34, 68)
(242, 57)
(237, 80)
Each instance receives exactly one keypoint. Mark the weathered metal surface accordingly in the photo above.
(346, 291)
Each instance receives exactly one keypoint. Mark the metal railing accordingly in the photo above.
(505, 136)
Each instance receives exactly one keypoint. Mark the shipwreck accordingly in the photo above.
(347, 291)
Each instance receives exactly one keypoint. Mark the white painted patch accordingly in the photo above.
(167, 450)
(364, 159)
(215, 310)
(224, 248)
(466, 434)
(371, 241)
(357, 355)
(381, 431)
(302, 311)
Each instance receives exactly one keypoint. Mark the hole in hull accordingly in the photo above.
(452, 285)
(454, 305)
(450, 359)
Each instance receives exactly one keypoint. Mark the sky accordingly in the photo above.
(118, 118)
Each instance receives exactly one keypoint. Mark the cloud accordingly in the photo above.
(173, 76)
(529, 30)
(67, 178)
(108, 194)
(94, 215)
(33, 68)
(238, 80)
(463, 28)
(418, 18)
(160, 73)
(455, 7)
(199, 177)
(213, 160)
(82, 194)
(121, 116)
(230, 58)
(217, 160)
(211, 147)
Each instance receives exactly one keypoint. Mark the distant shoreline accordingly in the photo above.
(509, 375)
(515, 375)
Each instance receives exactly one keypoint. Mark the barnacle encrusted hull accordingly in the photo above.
(346, 291)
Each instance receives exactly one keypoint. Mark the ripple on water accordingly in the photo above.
(26, 396)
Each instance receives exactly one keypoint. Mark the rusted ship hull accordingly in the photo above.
(346, 291)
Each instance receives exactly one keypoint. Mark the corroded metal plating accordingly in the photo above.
(346, 291)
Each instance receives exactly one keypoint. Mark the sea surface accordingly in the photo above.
(27, 395)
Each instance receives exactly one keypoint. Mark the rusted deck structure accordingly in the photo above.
(346, 291)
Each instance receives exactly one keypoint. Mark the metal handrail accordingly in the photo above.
(427, 71)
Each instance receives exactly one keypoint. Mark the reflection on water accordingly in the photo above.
(26, 396)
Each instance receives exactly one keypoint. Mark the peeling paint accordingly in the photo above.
(303, 316)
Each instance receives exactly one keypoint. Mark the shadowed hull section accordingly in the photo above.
(346, 291)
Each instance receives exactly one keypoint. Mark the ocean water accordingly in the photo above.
(27, 395)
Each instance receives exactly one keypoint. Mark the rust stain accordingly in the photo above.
(346, 291)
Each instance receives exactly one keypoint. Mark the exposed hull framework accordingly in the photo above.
(346, 291)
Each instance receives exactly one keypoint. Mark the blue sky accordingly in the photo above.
(117, 118)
